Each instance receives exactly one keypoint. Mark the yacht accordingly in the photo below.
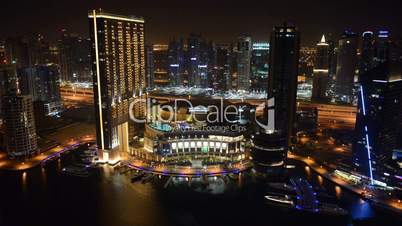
(284, 201)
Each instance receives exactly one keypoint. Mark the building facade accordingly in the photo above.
(74, 58)
(150, 66)
(222, 77)
(18, 116)
(118, 55)
(282, 83)
(346, 66)
(378, 121)
(160, 53)
(21, 138)
(259, 66)
(42, 83)
(269, 145)
(320, 77)
(244, 49)
(367, 52)
(176, 61)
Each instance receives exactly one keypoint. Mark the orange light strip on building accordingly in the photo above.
(98, 78)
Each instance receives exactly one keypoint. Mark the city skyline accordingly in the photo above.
(255, 18)
(119, 129)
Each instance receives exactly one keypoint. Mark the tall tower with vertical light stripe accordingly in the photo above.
(118, 56)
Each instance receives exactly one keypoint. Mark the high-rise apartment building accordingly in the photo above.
(21, 139)
(367, 52)
(378, 120)
(160, 55)
(259, 66)
(42, 82)
(149, 65)
(118, 55)
(18, 115)
(282, 83)
(269, 145)
(197, 61)
(176, 61)
(222, 74)
(320, 77)
(75, 58)
(244, 49)
(346, 66)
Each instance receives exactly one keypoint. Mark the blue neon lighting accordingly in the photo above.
(367, 137)
(369, 159)
(362, 96)
(383, 34)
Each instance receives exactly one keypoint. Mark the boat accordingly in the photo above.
(283, 201)
(75, 171)
(287, 203)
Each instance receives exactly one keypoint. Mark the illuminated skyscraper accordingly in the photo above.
(259, 66)
(282, 83)
(346, 66)
(222, 77)
(378, 120)
(160, 53)
(176, 62)
(382, 47)
(118, 53)
(18, 114)
(74, 58)
(8, 82)
(320, 77)
(42, 83)
(197, 61)
(243, 62)
(269, 145)
(379, 116)
(19, 120)
(150, 68)
(367, 52)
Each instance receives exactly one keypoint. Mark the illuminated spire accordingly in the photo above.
(323, 39)
(322, 42)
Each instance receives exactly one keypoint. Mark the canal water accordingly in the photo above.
(44, 196)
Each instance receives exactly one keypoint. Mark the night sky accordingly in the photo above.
(219, 20)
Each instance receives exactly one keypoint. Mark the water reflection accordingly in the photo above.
(320, 180)
(24, 182)
(361, 210)
(240, 180)
(308, 172)
(338, 191)
(43, 177)
(59, 165)
(111, 193)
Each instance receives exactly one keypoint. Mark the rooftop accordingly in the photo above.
(103, 14)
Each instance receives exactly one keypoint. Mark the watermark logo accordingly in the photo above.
(270, 106)
(214, 114)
